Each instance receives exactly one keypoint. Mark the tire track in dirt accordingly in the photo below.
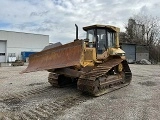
(50, 110)
(15, 103)
(11, 103)
(25, 94)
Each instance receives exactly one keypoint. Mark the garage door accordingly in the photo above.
(130, 52)
(2, 51)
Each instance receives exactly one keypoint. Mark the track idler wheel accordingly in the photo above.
(57, 80)
(53, 79)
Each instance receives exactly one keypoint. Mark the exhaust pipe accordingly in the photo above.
(76, 32)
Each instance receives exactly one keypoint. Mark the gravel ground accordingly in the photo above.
(30, 96)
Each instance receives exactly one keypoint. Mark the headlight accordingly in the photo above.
(121, 54)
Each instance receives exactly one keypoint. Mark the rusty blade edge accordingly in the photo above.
(66, 57)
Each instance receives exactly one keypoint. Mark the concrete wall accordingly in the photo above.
(142, 52)
(140, 56)
(16, 42)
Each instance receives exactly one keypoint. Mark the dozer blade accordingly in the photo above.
(58, 57)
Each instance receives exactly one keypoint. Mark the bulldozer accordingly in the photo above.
(96, 64)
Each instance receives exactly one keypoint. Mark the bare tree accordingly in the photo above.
(123, 37)
(135, 31)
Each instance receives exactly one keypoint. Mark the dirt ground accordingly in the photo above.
(30, 97)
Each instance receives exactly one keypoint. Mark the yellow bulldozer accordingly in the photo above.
(96, 64)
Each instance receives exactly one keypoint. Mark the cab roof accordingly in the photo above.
(113, 28)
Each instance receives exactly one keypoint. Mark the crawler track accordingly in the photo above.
(105, 78)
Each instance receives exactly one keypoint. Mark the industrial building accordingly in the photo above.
(12, 44)
(135, 52)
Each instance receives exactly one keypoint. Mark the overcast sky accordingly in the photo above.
(56, 18)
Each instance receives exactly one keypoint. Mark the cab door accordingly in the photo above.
(102, 43)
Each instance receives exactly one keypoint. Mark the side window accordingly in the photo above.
(111, 39)
(91, 37)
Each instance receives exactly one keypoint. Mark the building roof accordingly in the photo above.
(22, 32)
(126, 43)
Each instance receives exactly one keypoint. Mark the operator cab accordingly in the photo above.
(101, 37)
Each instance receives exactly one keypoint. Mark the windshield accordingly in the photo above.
(106, 39)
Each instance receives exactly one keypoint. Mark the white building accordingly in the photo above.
(13, 43)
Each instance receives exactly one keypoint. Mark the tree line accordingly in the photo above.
(143, 30)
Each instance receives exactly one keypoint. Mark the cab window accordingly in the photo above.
(91, 37)
(102, 42)
(111, 39)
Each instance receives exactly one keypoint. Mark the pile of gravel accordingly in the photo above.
(144, 62)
